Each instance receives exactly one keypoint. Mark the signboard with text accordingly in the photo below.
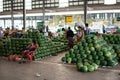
(68, 19)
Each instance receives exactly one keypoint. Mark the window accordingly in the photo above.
(90, 2)
(28, 4)
(1, 5)
(118, 0)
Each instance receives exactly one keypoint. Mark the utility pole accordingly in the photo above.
(24, 14)
(85, 11)
(43, 11)
(12, 16)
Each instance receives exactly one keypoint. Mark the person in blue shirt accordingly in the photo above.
(0, 32)
(87, 29)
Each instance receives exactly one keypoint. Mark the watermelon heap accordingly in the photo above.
(117, 50)
(60, 39)
(46, 47)
(112, 38)
(5, 49)
(91, 53)
(17, 44)
(13, 45)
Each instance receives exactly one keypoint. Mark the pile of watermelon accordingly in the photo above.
(13, 45)
(112, 38)
(60, 39)
(91, 53)
(17, 44)
(5, 48)
(46, 47)
(117, 50)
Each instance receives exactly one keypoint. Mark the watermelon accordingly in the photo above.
(91, 68)
(112, 63)
(86, 48)
(89, 57)
(84, 69)
(92, 48)
(64, 59)
(67, 55)
(74, 60)
(97, 62)
(97, 46)
(103, 63)
(86, 63)
(100, 53)
(95, 57)
(79, 65)
(95, 66)
(87, 52)
(69, 59)
(90, 45)
(107, 54)
(78, 56)
(72, 55)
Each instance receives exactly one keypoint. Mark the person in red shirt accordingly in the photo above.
(29, 49)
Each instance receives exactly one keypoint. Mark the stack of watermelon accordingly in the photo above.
(17, 44)
(112, 38)
(13, 45)
(91, 53)
(61, 39)
(46, 46)
(117, 50)
(5, 49)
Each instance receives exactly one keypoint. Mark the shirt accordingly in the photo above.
(79, 34)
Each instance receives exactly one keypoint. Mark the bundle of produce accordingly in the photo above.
(91, 53)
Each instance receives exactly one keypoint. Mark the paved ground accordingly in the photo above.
(51, 68)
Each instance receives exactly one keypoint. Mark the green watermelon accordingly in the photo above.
(72, 55)
(95, 57)
(84, 69)
(91, 68)
(112, 63)
(67, 55)
(88, 52)
(89, 57)
(74, 60)
(97, 62)
(107, 54)
(78, 56)
(103, 63)
(90, 45)
(95, 66)
(63, 59)
(79, 65)
(92, 48)
(86, 63)
(69, 59)
(83, 56)
(86, 48)
(100, 53)
(97, 46)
